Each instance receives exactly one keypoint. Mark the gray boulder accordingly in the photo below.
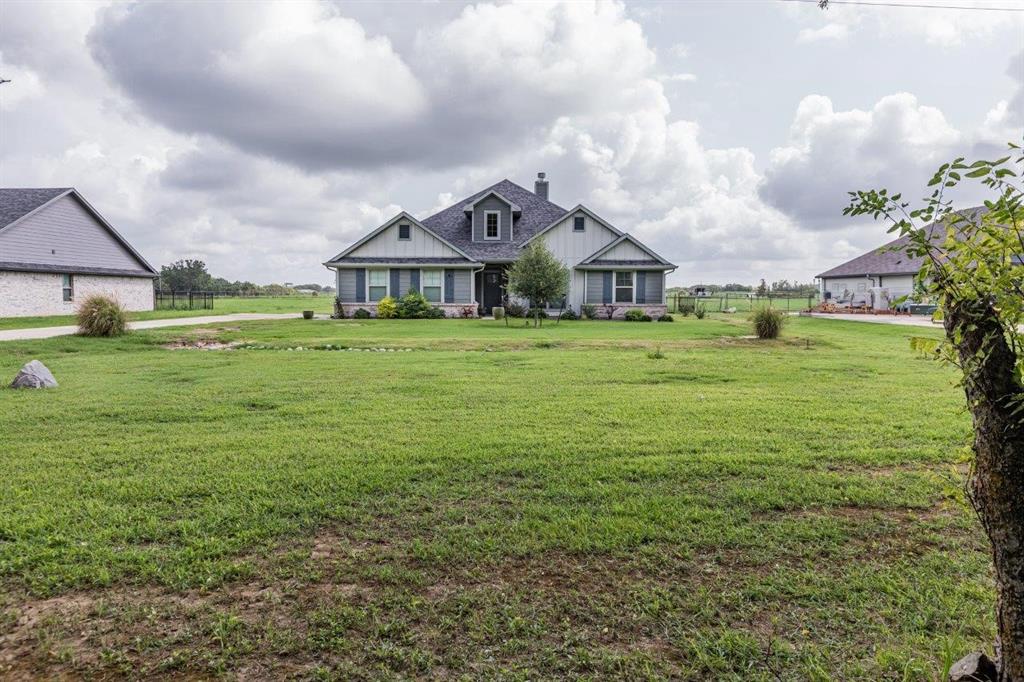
(976, 667)
(34, 375)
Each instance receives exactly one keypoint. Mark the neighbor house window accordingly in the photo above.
(403, 233)
(69, 288)
(377, 281)
(430, 280)
(578, 224)
(623, 287)
(492, 224)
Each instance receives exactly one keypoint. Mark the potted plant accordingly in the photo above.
(307, 314)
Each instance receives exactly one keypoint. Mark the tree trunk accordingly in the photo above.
(996, 482)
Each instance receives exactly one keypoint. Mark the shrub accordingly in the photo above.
(568, 315)
(435, 313)
(339, 310)
(414, 305)
(101, 316)
(666, 318)
(656, 354)
(513, 309)
(700, 311)
(361, 314)
(387, 308)
(589, 311)
(768, 322)
(686, 308)
(637, 315)
(609, 311)
(539, 313)
(468, 311)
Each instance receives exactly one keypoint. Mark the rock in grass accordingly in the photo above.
(34, 375)
(976, 667)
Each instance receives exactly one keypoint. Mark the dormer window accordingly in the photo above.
(403, 232)
(578, 224)
(492, 224)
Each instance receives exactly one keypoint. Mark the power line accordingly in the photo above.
(913, 5)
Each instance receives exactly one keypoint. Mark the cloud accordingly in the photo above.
(898, 143)
(24, 84)
(678, 78)
(828, 32)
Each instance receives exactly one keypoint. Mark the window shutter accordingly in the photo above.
(641, 287)
(396, 282)
(449, 285)
(361, 285)
(607, 286)
(414, 280)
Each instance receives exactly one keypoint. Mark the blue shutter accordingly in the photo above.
(396, 282)
(414, 280)
(361, 285)
(449, 285)
(641, 287)
(607, 286)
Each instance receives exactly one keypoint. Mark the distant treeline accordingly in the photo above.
(779, 287)
(191, 275)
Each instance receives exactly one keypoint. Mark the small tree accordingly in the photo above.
(185, 275)
(537, 276)
(762, 289)
(973, 263)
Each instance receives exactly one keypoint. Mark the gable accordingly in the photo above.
(625, 250)
(386, 244)
(504, 209)
(66, 234)
(572, 247)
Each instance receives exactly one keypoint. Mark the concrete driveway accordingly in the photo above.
(50, 332)
(901, 320)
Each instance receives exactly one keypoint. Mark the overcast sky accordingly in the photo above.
(265, 137)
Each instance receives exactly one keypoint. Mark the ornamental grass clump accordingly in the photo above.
(768, 322)
(100, 315)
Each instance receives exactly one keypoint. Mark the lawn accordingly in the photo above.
(221, 306)
(595, 499)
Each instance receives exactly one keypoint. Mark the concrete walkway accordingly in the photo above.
(901, 320)
(50, 332)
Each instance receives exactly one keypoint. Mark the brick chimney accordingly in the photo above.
(540, 186)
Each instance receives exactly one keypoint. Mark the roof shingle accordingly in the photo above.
(16, 202)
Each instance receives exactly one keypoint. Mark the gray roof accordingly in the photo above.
(631, 262)
(402, 261)
(17, 202)
(453, 224)
(76, 270)
(892, 258)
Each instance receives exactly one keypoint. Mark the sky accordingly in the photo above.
(265, 137)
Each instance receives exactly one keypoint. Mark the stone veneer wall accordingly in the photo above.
(654, 311)
(450, 309)
(25, 294)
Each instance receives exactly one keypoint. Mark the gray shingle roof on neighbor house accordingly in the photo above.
(892, 258)
(453, 224)
(17, 202)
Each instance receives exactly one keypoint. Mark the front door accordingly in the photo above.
(492, 291)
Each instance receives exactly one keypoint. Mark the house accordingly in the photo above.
(882, 275)
(56, 249)
(457, 258)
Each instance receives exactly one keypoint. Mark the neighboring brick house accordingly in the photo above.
(56, 249)
(457, 257)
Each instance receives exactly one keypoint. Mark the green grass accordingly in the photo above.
(497, 502)
(221, 306)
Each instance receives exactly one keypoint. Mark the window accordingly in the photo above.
(623, 287)
(69, 288)
(377, 281)
(431, 283)
(403, 233)
(578, 224)
(492, 224)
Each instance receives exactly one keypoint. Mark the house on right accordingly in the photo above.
(881, 276)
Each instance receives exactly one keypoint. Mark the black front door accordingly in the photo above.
(492, 291)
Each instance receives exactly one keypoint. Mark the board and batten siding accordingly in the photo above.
(572, 247)
(65, 233)
(654, 287)
(492, 203)
(421, 244)
(625, 250)
(347, 279)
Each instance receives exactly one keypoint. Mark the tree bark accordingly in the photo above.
(996, 482)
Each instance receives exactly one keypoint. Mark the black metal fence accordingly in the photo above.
(184, 300)
(740, 302)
